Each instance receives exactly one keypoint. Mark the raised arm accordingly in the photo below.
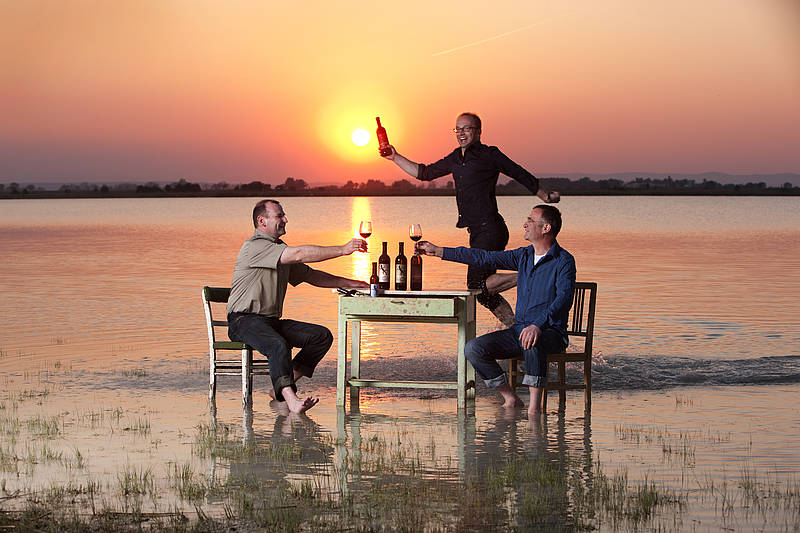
(311, 253)
(507, 260)
(519, 174)
(409, 167)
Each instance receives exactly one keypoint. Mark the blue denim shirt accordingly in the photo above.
(544, 291)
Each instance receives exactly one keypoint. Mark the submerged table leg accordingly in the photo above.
(462, 361)
(471, 327)
(341, 362)
(355, 360)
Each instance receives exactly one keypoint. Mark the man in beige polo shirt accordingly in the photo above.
(264, 268)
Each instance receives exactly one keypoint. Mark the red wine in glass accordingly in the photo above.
(365, 229)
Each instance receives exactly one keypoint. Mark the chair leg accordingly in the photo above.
(513, 373)
(587, 381)
(562, 382)
(212, 377)
(247, 376)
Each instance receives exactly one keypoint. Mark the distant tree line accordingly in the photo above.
(372, 187)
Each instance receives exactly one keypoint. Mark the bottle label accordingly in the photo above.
(383, 273)
(400, 274)
(373, 290)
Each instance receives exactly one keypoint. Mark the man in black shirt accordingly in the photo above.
(475, 168)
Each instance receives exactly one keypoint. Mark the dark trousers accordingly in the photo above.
(275, 339)
(492, 236)
(484, 351)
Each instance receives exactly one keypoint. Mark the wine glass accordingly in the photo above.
(415, 232)
(365, 229)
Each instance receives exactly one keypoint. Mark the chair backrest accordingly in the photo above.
(214, 295)
(581, 319)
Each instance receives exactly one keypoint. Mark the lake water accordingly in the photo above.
(697, 327)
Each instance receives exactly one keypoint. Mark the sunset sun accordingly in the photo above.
(360, 137)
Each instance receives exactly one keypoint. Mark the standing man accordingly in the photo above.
(475, 168)
(264, 268)
(546, 286)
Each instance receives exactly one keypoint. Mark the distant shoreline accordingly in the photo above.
(298, 187)
(56, 195)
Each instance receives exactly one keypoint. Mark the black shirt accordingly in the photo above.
(475, 174)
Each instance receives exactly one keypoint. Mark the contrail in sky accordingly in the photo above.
(506, 34)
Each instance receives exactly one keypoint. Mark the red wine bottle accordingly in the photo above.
(383, 139)
(383, 269)
(373, 280)
(416, 272)
(400, 269)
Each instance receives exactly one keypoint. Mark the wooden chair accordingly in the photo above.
(581, 324)
(246, 366)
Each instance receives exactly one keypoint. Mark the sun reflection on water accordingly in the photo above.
(360, 210)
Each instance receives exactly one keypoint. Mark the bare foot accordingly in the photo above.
(296, 405)
(515, 402)
(510, 398)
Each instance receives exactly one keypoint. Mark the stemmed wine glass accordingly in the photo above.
(415, 232)
(365, 229)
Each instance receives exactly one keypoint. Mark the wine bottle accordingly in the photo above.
(383, 269)
(416, 272)
(400, 269)
(373, 280)
(383, 139)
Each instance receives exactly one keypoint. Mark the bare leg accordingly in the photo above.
(504, 313)
(497, 283)
(535, 408)
(510, 398)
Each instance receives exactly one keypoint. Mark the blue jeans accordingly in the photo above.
(484, 351)
(275, 338)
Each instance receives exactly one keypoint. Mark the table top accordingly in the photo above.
(422, 294)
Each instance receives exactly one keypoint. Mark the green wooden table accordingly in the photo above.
(436, 307)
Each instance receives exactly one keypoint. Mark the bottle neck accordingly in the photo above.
(401, 248)
(384, 247)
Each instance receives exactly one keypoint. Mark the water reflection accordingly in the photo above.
(361, 264)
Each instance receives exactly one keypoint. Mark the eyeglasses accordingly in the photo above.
(465, 129)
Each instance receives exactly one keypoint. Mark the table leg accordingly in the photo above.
(462, 360)
(341, 364)
(471, 327)
(355, 360)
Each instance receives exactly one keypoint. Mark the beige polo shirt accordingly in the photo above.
(259, 282)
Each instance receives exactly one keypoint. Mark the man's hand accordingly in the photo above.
(549, 197)
(529, 336)
(355, 245)
(428, 248)
(390, 157)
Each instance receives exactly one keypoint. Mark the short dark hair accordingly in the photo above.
(475, 118)
(552, 216)
(261, 210)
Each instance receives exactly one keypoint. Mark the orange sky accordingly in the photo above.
(243, 90)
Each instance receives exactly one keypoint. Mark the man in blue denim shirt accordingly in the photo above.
(545, 288)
